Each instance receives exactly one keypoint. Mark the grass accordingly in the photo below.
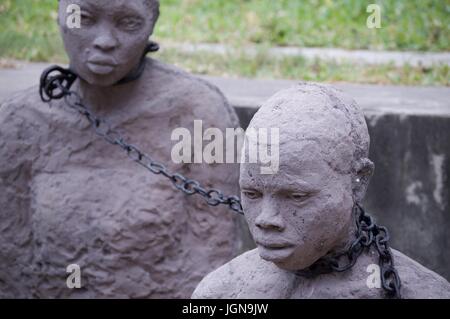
(406, 24)
(29, 32)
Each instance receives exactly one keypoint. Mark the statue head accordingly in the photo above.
(304, 210)
(112, 37)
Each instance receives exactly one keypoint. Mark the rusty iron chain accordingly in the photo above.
(367, 234)
(55, 84)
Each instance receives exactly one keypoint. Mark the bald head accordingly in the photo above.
(153, 5)
(318, 114)
(304, 210)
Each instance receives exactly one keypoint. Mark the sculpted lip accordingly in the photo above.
(275, 251)
(101, 65)
(273, 245)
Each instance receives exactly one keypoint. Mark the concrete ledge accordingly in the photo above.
(373, 99)
(410, 133)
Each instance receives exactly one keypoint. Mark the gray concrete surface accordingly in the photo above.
(397, 58)
(410, 133)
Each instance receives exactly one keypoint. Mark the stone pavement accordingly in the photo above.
(397, 58)
(410, 146)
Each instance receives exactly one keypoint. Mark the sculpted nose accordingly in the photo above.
(105, 42)
(270, 218)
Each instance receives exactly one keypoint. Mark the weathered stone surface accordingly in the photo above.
(410, 144)
(250, 277)
(68, 197)
(303, 212)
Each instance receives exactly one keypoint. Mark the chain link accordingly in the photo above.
(367, 234)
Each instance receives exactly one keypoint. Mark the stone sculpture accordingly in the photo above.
(303, 214)
(67, 197)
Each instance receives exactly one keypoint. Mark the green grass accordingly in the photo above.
(28, 31)
(406, 24)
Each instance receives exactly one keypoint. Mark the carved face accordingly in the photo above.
(111, 40)
(304, 210)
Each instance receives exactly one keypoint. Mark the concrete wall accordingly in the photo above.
(409, 192)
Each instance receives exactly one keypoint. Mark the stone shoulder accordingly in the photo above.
(23, 121)
(24, 108)
(419, 281)
(206, 100)
(239, 278)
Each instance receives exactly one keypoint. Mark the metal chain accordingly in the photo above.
(367, 234)
(57, 86)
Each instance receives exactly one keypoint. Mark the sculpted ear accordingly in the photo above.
(364, 169)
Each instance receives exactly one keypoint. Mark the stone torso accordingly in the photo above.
(84, 202)
(250, 277)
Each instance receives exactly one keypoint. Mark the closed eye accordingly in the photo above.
(251, 194)
(130, 23)
(299, 196)
(87, 19)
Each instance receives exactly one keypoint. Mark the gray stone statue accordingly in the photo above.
(69, 198)
(303, 213)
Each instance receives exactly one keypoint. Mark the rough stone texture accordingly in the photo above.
(409, 192)
(250, 277)
(303, 212)
(68, 197)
